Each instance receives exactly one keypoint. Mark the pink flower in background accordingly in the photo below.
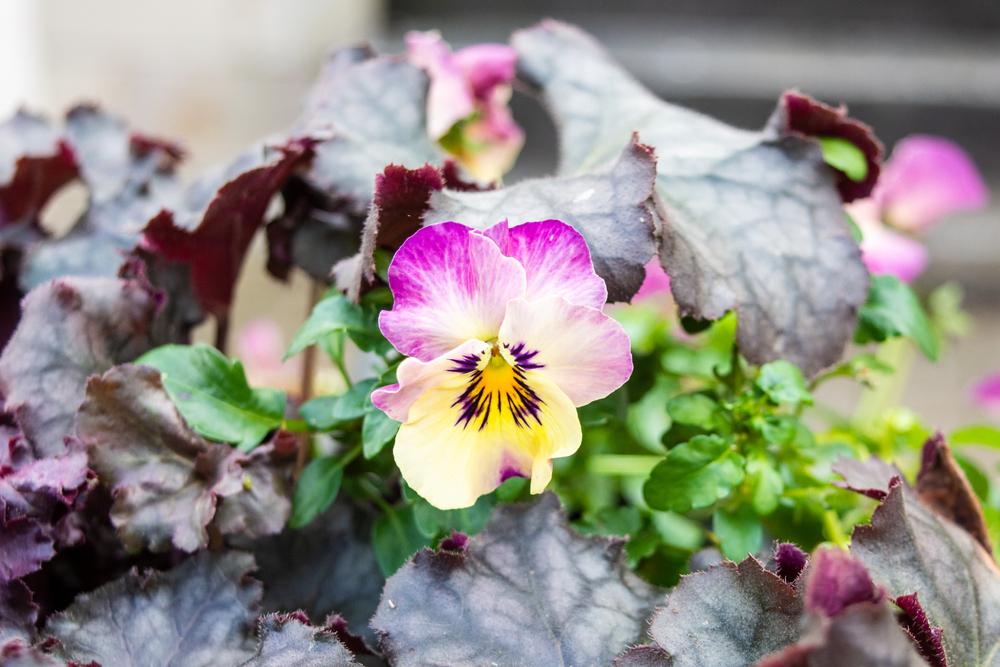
(986, 393)
(467, 102)
(261, 347)
(657, 281)
(924, 180)
(507, 337)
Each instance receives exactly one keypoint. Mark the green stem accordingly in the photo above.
(338, 361)
(836, 534)
(295, 426)
(620, 464)
(376, 496)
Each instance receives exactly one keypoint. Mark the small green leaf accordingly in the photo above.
(613, 407)
(325, 413)
(377, 430)
(856, 233)
(336, 313)
(893, 310)
(980, 434)
(470, 520)
(695, 474)
(783, 383)
(693, 409)
(947, 316)
(739, 532)
(648, 419)
(213, 396)
(845, 156)
(765, 484)
(395, 538)
(679, 531)
(316, 489)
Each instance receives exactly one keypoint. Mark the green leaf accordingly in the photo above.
(765, 483)
(693, 409)
(469, 520)
(854, 229)
(395, 538)
(694, 474)
(738, 531)
(613, 407)
(316, 489)
(980, 434)
(648, 419)
(945, 304)
(893, 310)
(324, 413)
(783, 383)
(337, 313)
(679, 531)
(979, 482)
(377, 430)
(845, 156)
(213, 396)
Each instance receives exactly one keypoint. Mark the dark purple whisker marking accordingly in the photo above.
(476, 404)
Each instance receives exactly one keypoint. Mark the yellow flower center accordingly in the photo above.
(496, 387)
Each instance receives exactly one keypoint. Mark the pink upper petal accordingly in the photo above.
(260, 345)
(885, 251)
(925, 179)
(656, 282)
(986, 392)
(450, 284)
(450, 97)
(556, 261)
(492, 144)
(586, 353)
(486, 66)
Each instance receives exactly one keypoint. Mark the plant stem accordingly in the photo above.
(306, 386)
(221, 331)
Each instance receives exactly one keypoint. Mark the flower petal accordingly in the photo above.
(450, 284)
(986, 393)
(417, 377)
(486, 66)
(885, 251)
(925, 179)
(450, 97)
(657, 281)
(451, 456)
(556, 261)
(585, 352)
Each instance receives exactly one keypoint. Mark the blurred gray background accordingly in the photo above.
(218, 74)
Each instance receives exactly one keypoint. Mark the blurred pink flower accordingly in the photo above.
(469, 92)
(926, 179)
(260, 347)
(657, 281)
(986, 393)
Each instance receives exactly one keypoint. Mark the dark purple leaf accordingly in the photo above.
(942, 486)
(837, 581)
(212, 227)
(24, 545)
(35, 487)
(644, 656)
(198, 614)
(729, 615)
(803, 116)
(908, 547)
(326, 567)
(71, 329)
(19, 653)
(34, 163)
(17, 612)
(913, 618)
(354, 643)
(181, 312)
(872, 477)
(288, 642)
(527, 591)
(168, 482)
(789, 562)
(752, 221)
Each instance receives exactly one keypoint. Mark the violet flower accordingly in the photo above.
(507, 337)
(467, 101)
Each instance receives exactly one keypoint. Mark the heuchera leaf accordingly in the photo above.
(24, 545)
(913, 618)
(730, 616)
(34, 163)
(752, 221)
(908, 548)
(17, 613)
(325, 567)
(219, 214)
(199, 613)
(837, 581)
(942, 486)
(872, 477)
(286, 641)
(526, 591)
(694, 474)
(213, 396)
(70, 329)
(167, 481)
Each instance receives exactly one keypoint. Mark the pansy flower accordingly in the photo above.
(506, 337)
(467, 101)
(924, 180)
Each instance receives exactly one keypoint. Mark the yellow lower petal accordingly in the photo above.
(451, 455)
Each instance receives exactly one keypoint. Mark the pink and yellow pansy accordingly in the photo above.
(467, 100)
(506, 337)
